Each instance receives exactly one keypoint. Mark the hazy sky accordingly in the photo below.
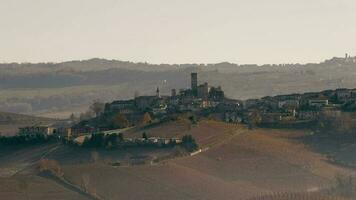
(177, 31)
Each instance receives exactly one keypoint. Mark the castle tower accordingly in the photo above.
(194, 82)
(157, 92)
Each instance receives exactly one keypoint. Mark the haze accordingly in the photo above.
(177, 31)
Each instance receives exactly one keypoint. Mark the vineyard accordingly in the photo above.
(296, 196)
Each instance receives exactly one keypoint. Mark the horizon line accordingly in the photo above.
(152, 63)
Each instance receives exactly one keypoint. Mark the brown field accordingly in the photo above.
(296, 196)
(207, 133)
(34, 187)
(236, 163)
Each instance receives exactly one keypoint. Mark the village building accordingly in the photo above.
(307, 115)
(145, 102)
(122, 106)
(216, 94)
(288, 103)
(343, 95)
(45, 130)
(233, 117)
(270, 118)
(203, 91)
(318, 102)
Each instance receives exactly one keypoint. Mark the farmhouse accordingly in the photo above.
(37, 130)
(289, 103)
(318, 102)
(122, 106)
(343, 95)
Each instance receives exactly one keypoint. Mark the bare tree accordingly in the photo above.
(73, 118)
(87, 115)
(120, 120)
(146, 118)
(51, 166)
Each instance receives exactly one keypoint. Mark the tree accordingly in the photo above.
(193, 119)
(97, 107)
(121, 137)
(189, 143)
(144, 136)
(119, 120)
(50, 166)
(86, 116)
(73, 118)
(254, 119)
(111, 140)
(147, 118)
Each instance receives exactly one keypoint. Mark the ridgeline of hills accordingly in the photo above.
(57, 89)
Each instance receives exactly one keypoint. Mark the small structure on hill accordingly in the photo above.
(45, 130)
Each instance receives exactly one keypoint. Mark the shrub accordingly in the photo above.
(25, 139)
(189, 143)
(50, 166)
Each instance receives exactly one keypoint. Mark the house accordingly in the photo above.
(228, 106)
(267, 118)
(122, 106)
(77, 131)
(296, 97)
(144, 102)
(307, 115)
(269, 103)
(343, 95)
(318, 102)
(160, 110)
(216, 94)
(37, 130)
(250, 103)
(203, 91)
(233, 117)
(289, 103)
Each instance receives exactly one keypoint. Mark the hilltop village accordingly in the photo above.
(205, 101)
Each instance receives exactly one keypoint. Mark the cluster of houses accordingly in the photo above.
(203, 99)
(193, 99)
(301, 107)
(197, 98)
(153, 141)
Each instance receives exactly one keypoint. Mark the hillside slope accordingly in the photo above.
(236, 163)
(57, 89)
(238, 166)
(10, 122)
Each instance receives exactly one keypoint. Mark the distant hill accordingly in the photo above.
(57, 89)
(6, 117)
